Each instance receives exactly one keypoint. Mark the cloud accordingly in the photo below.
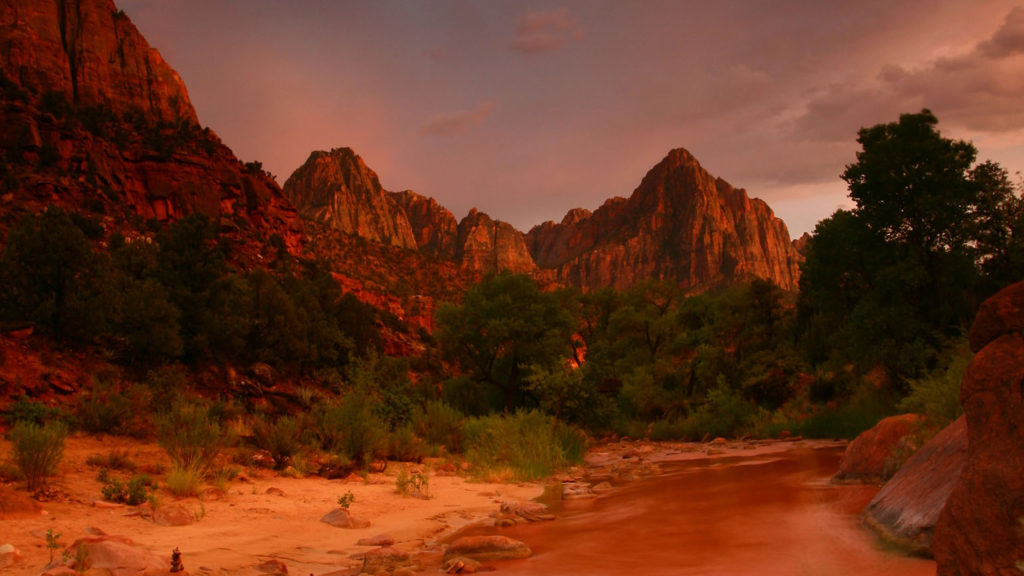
(546, 31)
(978, 89)
(457, 122)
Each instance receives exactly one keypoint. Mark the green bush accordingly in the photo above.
(440, 425)
(405, 446)
(282, 438)
(25, 409)
(133, 493)
(937, 395)
(726, 413)
(528, 445)
(105, 410)
(185, 480)
(350, 429)
(38, 450)
(190, 437)
(115, 459)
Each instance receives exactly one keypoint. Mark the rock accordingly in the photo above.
(574, 490)
(378, 540)
(340, 518)
(980, 529)
(9, 555)
(274, 491)
(906, 509)
(433, 226)
(383, 559)
(338, 190)
(15, 503)
(114, 555)
(529, 511)
(273, 567)
(173, 515)
(876, 454)
(462, 565)
(487, 245)
(483, 548)
(719, 235)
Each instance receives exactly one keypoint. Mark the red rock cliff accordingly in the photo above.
(338, 190)
(94, 119)
(488, 245)
(680, 224)
(433, 226)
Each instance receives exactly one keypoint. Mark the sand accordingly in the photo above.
(244, 526)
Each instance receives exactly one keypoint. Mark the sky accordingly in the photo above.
(525, 110)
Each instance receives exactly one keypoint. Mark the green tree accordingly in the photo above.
(504, 324)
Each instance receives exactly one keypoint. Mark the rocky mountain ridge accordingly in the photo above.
(680, 224)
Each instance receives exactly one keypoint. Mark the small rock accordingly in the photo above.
(378, 540)
(529, 511)
(9, 555)
(340, 518)
(273, 567)
(173, 515)
(602, 488)
(383, 559)
(275, 491)
(462, 565)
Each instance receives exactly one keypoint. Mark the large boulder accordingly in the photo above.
(114, 555)
(979, 531)
(906, 509)
(876, 454)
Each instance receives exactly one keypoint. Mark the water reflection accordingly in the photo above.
(756, 515)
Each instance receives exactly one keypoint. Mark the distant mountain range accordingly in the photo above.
(94, 120)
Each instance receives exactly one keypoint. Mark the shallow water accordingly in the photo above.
(752, 515)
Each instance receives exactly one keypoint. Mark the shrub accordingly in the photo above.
(38, 450)
(415, 484)
(184, 480)
(282, 438)
(405, 446)
(190, 437)
(524, 446)
(133, 493)
(115, 459)
(937, 396)
(25, 409)
(350, 429)
(726, 413)
(440, 425)
(346, 499)
(104, 409)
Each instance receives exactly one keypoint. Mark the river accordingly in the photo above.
(761, 514)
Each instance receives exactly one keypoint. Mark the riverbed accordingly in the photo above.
(765, 514)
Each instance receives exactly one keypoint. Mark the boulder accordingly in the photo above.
(340, 518)
(9, 555)
(876, 454)
(114, 555)
(980, 530)
(173, 515)
(378, 540)
(528, 511)
(273, 567)
(384, 559)
(482, 548)
(906, 509)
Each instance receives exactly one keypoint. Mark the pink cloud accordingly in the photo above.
(546, 31)
(457, 122)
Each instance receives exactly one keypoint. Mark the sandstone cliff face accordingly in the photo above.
(91, 53)
(980, 530)
(488, 245)
(94, 119)
(433, 226)
(338, 190)
(680, 224)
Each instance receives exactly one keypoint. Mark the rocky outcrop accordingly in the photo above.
(876, 454)
(488, 245)
(114, 555)
(90, 54)
(338, 190)
(483, 548)
(681, 224)
(906, 509)
(95, 120)
(980, 530)
(434, 227)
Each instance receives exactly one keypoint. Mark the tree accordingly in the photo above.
(504, 324)
(888, 282)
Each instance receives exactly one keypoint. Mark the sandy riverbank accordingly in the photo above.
(243, 527)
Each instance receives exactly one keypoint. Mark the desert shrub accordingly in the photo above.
(415, 483)
(440, 425)
(104, 409)
(937, 395)
(282, 438)
(405, 446)
(133, 493)
(350, 428)
(524, 446)
(166, 384)
(38, 450)
(863, 411)
(190, 437)
(115, 460)
(346, 499)
(185, 480)
(25, 409)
